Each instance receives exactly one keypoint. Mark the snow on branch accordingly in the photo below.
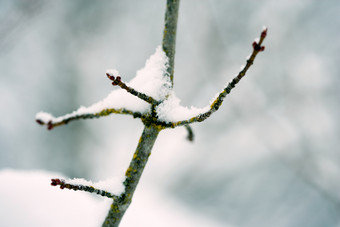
(149, 87)
(81, 187)
(205, 113)
(44, 118)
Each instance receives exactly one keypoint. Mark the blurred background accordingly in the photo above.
(269, 156)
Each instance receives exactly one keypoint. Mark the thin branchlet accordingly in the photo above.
(190, 135)
(257, 47)
(105, 112)
(117, 81)
(79, 187)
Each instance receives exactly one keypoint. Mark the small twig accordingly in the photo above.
(218, 101)
(191, 135)
(79, 187)
(118, 81)
(54, 123)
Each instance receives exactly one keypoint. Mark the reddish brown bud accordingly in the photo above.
(262, 48)
(114, 83)
(118, 79)
(40, 122)
(62, 186)
(264, 33)
(110, 76)
(49, 125)
(55, 182)
(256, 46)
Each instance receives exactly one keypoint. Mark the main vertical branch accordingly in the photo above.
(169, 35)
(133, 175)
(151, 131)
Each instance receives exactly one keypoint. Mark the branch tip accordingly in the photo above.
(50, 125)
(40, 122)
(118, 81)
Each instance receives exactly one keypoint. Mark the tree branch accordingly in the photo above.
(118, 81)
(151, 131)
(133, 175)
(52, 122)
(190, 135)
(80, 187)
(219, 100)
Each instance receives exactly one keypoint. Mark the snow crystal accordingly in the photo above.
(171, 110)
(152, 80)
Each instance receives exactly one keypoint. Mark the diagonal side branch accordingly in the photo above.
(257, 47)
(118, 81)
(80, 187)
(51, 122)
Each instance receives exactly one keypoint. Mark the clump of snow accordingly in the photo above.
(112, 185)
(44, 117)
(152, 80)
(171, 110)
